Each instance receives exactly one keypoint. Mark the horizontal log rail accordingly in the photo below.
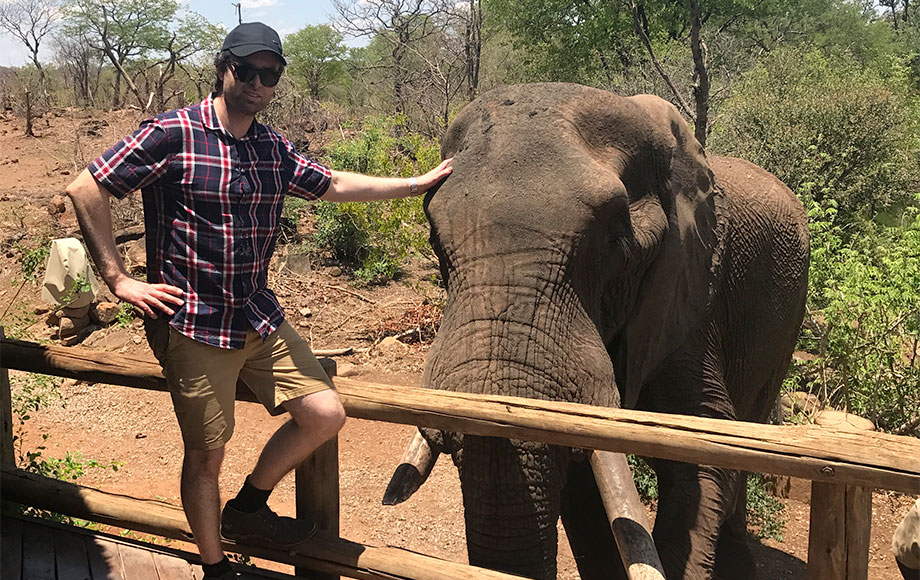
(325, 553)
(869, 459)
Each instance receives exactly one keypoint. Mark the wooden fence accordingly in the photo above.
(843, 466)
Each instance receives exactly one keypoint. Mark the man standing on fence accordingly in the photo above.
(213, 183)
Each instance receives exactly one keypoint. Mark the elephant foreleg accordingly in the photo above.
(694, 502)
(586, 526)
(734, 558)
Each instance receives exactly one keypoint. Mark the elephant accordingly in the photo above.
(592, 252)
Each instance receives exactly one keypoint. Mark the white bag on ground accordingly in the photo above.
(67, 274)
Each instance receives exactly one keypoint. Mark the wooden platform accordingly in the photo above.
(35, 549)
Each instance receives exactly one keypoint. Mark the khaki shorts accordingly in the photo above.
(202, 378)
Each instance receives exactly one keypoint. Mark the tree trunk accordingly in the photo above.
(38, 65)
(29, 114)
(473, 49)
(399, 106)
(116, 88)
(314, 84)
(701, 72)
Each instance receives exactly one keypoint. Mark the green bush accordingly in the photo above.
(764, 512)
(644, 477)
(863, 324)
(847, 141)
(829, 130)
(33, 261)
(377, 238)
(31, 393)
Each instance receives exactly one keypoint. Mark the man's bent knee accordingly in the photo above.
(321, 411)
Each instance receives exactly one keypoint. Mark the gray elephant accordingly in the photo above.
(594, 253)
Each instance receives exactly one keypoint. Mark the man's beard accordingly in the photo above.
(238, 101)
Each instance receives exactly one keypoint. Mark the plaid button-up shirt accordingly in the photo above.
(212, 211)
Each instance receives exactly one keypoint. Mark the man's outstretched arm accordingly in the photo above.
(91, 204)
(347, 186)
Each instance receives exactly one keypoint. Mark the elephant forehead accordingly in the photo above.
(494, 215)
(553, 118)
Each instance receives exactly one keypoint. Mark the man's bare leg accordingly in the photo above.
(315, 419)
(201, 500)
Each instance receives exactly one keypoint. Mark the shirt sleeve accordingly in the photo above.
(134, 162)
(310, 179)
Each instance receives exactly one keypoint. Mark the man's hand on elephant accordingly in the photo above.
(150, 298)
(433, 177)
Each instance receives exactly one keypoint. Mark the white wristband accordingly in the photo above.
(413, 186)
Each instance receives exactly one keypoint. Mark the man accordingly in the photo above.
(213, 184)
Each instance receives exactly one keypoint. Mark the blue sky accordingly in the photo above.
(285, 16)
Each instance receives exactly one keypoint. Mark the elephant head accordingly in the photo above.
(577, 239)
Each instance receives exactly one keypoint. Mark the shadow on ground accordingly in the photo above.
(773, 564)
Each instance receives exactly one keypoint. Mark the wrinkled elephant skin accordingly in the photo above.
(594, 253)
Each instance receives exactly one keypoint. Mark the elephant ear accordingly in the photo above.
(676, 288)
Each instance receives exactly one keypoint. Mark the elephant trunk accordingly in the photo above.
(511, 500)
(510, 340)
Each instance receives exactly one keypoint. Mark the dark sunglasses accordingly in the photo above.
(246, 72)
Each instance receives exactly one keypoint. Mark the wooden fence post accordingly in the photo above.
(838, 537)
(841, 518)
(7, 454)
(316, 488)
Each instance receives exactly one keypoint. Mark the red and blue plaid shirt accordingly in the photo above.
(212, 211)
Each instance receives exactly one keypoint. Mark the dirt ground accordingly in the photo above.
(138, 429)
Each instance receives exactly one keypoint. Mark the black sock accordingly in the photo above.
(216, 570)
(250, 498)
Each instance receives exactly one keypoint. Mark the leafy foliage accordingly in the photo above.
(315, 57)
(33, 261)
(863, 324)
(846, 140)
(644, 477)
(828, 129)
(764, 512)
(376, 238)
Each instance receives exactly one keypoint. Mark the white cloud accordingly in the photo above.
(258, 3)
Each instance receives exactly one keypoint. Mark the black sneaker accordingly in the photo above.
(265, 528)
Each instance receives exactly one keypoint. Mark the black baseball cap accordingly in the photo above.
(252, 37)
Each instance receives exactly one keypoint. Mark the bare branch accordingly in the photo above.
(640, 31)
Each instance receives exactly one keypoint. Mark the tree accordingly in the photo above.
(81, 65)
(600, 42)
(472, 45)
(199, 66)
(316, 55)
(121, 30)
(30, 21)
(400, 24)
(193, 36)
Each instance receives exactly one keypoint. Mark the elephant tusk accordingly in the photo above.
(626, 516)
(415, 467)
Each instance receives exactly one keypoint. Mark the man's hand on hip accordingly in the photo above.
(150, 298)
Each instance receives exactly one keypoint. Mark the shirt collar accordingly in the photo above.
(210, 120)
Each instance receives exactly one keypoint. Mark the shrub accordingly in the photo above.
(764, 512)
(828, 130)
(377, 238)
(864, 319)
(846, 140)
(31, 393)
(33, 261)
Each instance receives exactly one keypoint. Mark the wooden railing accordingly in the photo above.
(841, 464)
